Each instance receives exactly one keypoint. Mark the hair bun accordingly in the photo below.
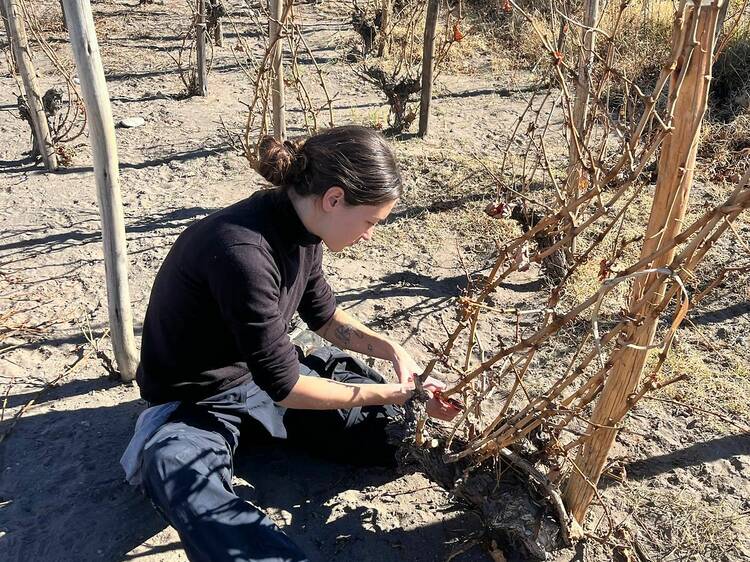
(281, 163)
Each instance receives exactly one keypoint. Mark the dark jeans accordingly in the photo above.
(188, 463)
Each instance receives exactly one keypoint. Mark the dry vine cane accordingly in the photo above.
(259, 70)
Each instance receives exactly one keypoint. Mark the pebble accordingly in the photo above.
(131, 122)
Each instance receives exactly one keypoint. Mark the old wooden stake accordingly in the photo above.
(427, 66)
(106, 173)
(200, 49)
(62, 13)
(385, 18)
(32, 94)
(219, 34)
(670, 202)
(6, 23)
(277, 87)
(581, 104)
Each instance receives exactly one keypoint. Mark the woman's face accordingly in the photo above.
(344, 225)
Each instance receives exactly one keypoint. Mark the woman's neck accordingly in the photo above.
(305, 209)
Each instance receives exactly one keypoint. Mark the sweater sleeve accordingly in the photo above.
(245, 283)
(318, 301)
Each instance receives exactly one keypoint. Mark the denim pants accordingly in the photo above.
(188, 463)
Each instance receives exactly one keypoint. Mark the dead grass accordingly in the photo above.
(723, 382)
(724, 145)
(680, 525)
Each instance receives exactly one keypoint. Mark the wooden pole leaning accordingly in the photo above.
(693, 36)
(32, 94)
(106, 173)
(428, 66)
(200, 49)
(581, 104)
(275, 27)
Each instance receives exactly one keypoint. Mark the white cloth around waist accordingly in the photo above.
(258, 405)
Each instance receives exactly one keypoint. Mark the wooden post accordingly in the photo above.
(581, 104)
(20, 47)
(62, 12)
(200, 49)
(427, 66)
(219, 34)
(277, 87)
(676, 164)
(6, 23)
(385, 17)
(106, 173)
(385, 14)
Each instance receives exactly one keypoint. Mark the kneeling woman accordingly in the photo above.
(216, 355)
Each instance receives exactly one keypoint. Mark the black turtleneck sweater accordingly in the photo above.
(222, 301)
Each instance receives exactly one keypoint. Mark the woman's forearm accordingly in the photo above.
(346, 332)
(314, 393)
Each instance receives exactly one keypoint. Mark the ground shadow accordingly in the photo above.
(166, 219)
(302, 485)
(435, 207)
(433, 294)
(62, 490)
(723, 314)
(32, 165)
(63, 498)
(66, 390)
(720, 448)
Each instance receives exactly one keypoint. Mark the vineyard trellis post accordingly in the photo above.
(20, 46)
(6, 23)
(693, 37)
(106, 173)
(580, 107)
(428, 66)
(200, 48)
(219, 34)
(385, 20)
(275, 27)
(62, 13)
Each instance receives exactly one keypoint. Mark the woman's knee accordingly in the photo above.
(177, 456)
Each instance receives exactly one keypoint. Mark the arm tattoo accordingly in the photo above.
(345, 332)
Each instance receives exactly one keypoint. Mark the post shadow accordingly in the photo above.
(700, 453)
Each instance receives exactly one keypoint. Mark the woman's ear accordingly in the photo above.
(332, 198)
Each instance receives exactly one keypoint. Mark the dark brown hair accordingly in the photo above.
(354, 158)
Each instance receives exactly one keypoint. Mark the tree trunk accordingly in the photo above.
(580, 107)
(20, 47)
(675, 177)
(106, 173)
(277, 88)
(200, 47)
(427, 66)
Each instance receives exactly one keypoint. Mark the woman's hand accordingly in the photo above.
(441, 409)
(404, 365)
(406, 369)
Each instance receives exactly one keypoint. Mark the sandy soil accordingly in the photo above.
(62, 495)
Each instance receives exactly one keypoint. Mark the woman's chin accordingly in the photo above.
(335, 248)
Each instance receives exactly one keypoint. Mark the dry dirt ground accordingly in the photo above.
(62, 495)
